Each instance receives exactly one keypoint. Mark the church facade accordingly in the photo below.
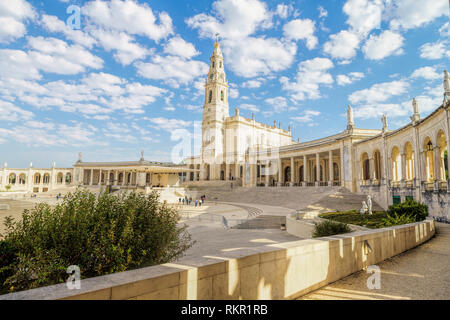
(391, 165)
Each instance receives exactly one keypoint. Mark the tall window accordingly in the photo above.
(213, 64)
(210, 96)
(221, 95)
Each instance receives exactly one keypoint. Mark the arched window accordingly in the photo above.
(12, 178)
(46, 178)
(22, 179)
(59, 178)
(221, 95)
(213, 64)
(396, 164)
(37, 178)
(409, 158)
(377, 165)
(220, 64)
(287, 174)
(210, 96)
(365, 167)
(429, 160)
(335, 172)
(300, 174)
(68, 177)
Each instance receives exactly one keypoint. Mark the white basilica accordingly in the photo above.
(391, 165)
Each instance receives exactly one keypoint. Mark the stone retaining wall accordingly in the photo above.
(276, 271)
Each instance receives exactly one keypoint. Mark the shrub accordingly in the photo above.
(395, 220)
(329, 228)
(8, 187)
(101, 235)
(409, 208)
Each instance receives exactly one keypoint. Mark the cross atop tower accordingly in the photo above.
(217, 36)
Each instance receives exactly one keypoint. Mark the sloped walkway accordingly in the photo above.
(421, 273)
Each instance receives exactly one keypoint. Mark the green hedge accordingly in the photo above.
(409, 209)
(329, 228)
(101, 235)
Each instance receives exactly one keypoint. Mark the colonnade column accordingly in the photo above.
(341, 160)
(317, 169)
(266, 173)
(292, 172)
(227, 171)
(305, 171)
(437, 163)
(371, 168)
(403, 171)
(280, 173)
(330, 167)
(91, 178)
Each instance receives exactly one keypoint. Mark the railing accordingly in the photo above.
(310, 184)
(323, 183)
(336, 183)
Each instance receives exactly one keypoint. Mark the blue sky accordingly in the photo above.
(133, 74)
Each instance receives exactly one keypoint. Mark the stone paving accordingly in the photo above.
(420, 273)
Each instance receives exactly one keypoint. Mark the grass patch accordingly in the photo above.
(373, 221)
(330, 228)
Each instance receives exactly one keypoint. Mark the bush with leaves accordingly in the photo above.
(101, 235)
(396, 219)
(329, 228)
(409, 208)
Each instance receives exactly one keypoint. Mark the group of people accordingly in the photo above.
(189, 200)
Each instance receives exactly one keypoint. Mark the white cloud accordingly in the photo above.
(178, 47)
(251, 84)
(233, 19)
(233, 93)
(10, 112)
(278, 104)
(236, 21)
(342, 45)
(435, 50)
(379, 92)
(284, 10)
(17, 64)
(322, 12)
(343, 79)
(13, 15)
(409, 14)
(307, 117)
(254, 56)
(428, 73)
(311, 74)
(386, 44)
(128, 16)
(301, 30)
(249, 107)
(364, 15)
(126, 49)
(173, 70)
(56, 56)
(53, 24)
(169, 124)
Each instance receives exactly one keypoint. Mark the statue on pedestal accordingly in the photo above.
(363, 209)
(369, 204)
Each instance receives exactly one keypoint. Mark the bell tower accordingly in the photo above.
(215, 108)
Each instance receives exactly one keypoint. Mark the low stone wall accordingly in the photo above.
(276, 271)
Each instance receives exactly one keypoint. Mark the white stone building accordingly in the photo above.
(391, 165)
